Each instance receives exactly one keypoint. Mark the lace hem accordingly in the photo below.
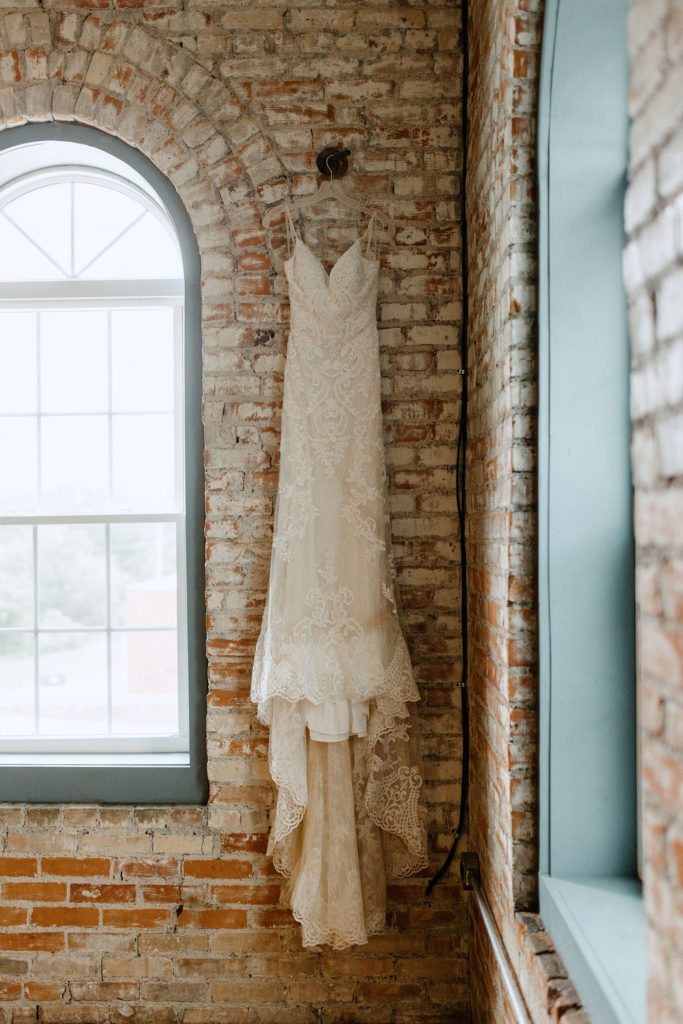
(297, 671)
(360, 824)
(312, 934)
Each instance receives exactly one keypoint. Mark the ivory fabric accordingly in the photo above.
(332, 676)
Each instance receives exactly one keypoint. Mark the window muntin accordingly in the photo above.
(93, 652)
(77, 223)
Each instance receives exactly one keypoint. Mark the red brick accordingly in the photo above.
(162, 868)
(266, 894)
(50, 942)
(37, 892)
(44, 991)
(161, 893)
(93, 893)
(65, 917)
(12, 917)
(212, 919)
(272, 918)
(135, 918)
(254, 261)
(80, 867)
(221, 868)
(18, 867)
(10, 990)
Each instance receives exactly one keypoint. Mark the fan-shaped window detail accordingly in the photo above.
(76, 224)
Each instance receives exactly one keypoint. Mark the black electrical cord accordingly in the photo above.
(461, 466)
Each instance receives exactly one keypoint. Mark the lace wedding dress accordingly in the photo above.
(332, 676)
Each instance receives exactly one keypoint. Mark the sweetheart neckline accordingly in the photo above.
(328, 274)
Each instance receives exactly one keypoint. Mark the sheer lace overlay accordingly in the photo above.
(332, 676)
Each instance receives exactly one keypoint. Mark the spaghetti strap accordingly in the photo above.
(368, 237)
(291, 233)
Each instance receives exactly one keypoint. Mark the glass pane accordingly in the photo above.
(17, 685)
(143, 461)
(142, 360)
(145, 683)
(72, 574)
(17, 362)
(100, 215)
(16, 577)
(143, 574)
(146, 250)
(75, 470)
(73, 684)
(74, 372)
(44, 215)
(18, 463)
(20, 260)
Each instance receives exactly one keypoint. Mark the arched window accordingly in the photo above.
(99, 492)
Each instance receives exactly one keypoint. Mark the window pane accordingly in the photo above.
(100, 215)
(143, 574)
(143, 461)
(17, 362)
(20, 260)
(71, 576)
(17, 684)
(16, 577)
(145, 688)
(146, 250)
(44, 215)
(75, 470)
(142, 360)
(73, 684)
(74, 372)
(18, 463)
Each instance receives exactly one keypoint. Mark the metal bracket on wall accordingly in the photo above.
(332, 162)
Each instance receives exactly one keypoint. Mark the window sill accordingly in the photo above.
(598, 926)
(128, 779)
(110, 760)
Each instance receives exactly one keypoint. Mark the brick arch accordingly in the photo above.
(158, 98)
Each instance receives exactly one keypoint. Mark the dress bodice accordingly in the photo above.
(348, 291)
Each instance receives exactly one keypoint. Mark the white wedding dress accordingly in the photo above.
(332, 676)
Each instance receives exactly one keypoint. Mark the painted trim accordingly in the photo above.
(545, 652)
(589, 896)
(599, 926)
(144, 783)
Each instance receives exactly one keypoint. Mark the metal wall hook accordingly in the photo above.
(332, 162)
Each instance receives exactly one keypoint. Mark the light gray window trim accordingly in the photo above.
(589, 893)
(143, 782)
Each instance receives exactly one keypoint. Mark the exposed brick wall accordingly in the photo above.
(504, 60)
(505, 38)
(504, 56)
(654, 279)
(233, 101)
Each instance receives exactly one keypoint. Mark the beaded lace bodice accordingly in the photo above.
(330, 630)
